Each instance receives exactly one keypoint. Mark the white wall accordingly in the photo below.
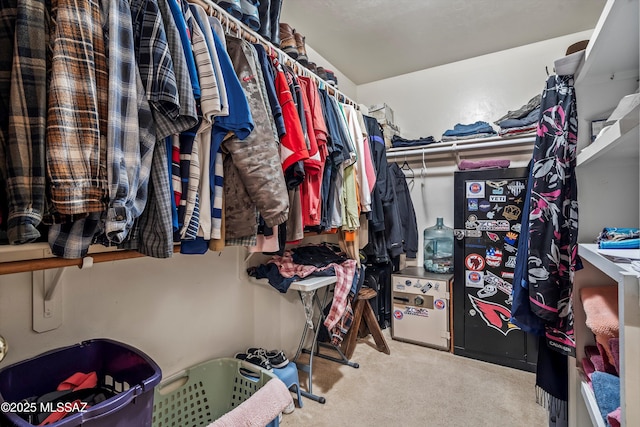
(192, 308)
(429, 102)
(345, 85)
(180, 311)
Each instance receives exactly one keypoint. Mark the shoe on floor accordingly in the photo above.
(290, 408)
(255, 359)
(276, 358)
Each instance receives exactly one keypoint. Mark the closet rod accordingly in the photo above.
(462, 146)
(248, 34)
(48, 263)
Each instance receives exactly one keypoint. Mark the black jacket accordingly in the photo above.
(406, 211)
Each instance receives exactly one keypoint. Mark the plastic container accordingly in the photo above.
(438, 248)
(205, 392)
(119, 367)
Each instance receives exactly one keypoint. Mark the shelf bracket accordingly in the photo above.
(456, 153)
(46, 302)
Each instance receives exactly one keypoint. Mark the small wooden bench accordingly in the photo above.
(362, 309)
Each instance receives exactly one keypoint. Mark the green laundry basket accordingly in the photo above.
(205, 392)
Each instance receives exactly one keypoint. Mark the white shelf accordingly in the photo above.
(478, 144)
(591, 404)
(613, 47)
(591, 253)
(609, 69)
(619, 141)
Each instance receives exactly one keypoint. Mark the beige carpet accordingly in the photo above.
(416, 386)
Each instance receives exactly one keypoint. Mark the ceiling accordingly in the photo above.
(369, 40)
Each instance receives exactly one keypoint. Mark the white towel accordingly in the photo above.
(260, 409)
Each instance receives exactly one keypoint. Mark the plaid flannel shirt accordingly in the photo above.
(344, 280)
(161, 62)
(128, 155)
(25, 146)
(77, 113)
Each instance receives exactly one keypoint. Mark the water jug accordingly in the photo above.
(438, 248)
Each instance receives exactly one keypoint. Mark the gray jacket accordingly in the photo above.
(255, 179)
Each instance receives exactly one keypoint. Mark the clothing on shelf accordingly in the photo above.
(398, 142)
(460, 131)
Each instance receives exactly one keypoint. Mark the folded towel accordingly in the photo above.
(588, 368)
(607, 358)
(600, 305)
(614, 345)
(614, 417)
(606, 387)
(260, 409)
(594, 356)
(619, 233)
(488, 163)
(620, 244)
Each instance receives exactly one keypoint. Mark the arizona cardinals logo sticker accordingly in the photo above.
(494, 315)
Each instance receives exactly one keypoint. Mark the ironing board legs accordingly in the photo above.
(315, 351)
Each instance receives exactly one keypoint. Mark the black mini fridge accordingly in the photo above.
(488, 211)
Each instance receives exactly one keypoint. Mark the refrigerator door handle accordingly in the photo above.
(461, 233)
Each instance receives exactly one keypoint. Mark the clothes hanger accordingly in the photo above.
(408, 173)
(405, 167)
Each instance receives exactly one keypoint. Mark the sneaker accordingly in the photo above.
(255, 359)
(276, 358)
(290, 408)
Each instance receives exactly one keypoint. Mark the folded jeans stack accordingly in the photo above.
(521, 121)
(478, 129)
(397, 141)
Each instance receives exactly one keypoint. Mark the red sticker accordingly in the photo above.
(474, 262)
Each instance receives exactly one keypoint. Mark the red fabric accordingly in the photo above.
(293, 147)
(79, 381)
(58, 415)
(317, 130)
(344, 279)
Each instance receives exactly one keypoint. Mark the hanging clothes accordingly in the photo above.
(553, 214)
(542, 297)
(256, 159)
(23, 108)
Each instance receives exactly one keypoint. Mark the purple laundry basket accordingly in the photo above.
(121, 368)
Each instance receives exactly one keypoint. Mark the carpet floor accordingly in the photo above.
(416, 386)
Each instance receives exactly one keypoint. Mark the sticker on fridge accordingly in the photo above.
(474, 262)
(472, 205)
(474, 279)
(494, 315)
(475, 189)
(493, 257)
